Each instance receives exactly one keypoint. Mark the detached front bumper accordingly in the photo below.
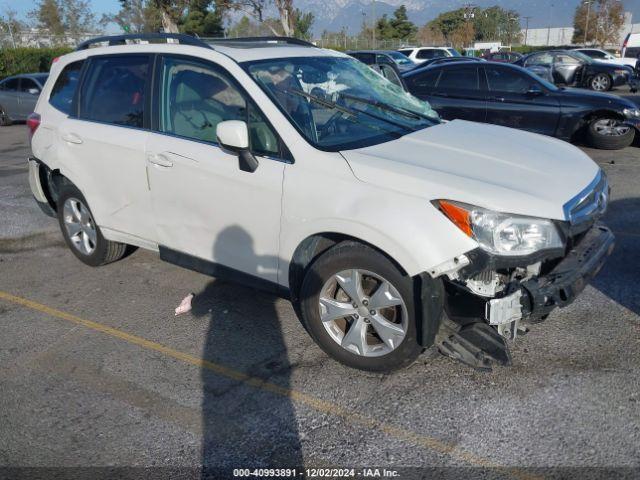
(563, 284)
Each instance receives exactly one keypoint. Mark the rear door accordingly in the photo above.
(511, 105)
(104, 145)
(459, 92)
(566, 68)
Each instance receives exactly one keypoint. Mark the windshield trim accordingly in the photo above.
(353, 145)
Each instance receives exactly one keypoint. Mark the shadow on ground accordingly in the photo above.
(243, 426)
(620, 277)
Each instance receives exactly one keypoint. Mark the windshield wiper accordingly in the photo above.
(352, 112)
(387, 107)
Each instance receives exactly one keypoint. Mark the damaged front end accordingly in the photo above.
(492, 298)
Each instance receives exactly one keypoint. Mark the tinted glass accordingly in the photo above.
(196, 98)
(10, 85)
(507, 80)
(427, 79)
(64, 89)
(632, 52)
(430, 53)
(114, 89)
(406, 52)
(594, 53)
(27, 84)
(459, 78)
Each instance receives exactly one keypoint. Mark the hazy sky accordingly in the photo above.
(23, 7)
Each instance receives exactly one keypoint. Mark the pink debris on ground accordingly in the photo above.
(185, 305)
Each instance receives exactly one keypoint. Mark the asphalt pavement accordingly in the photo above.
(95, 370)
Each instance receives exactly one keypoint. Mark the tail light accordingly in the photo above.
(55, 60)
(33, 122)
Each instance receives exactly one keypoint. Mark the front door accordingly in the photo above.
(511, 103)
(204, 205)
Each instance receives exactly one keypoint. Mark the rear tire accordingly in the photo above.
(80, 232)
(384, 326)
(609, 134)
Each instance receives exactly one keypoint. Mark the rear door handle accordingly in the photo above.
(160, 160)
(497, 99)
(71, 138)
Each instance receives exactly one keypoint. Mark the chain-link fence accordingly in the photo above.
(42, 40)
(344, 42)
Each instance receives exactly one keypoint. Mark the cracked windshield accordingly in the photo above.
(340, 103)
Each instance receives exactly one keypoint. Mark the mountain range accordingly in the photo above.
(333, 15)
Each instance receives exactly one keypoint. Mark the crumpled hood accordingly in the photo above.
(494, 167)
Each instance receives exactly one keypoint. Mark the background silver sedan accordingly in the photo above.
(18, 96)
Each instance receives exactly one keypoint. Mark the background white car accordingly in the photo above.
(421, 54)
(604, 56)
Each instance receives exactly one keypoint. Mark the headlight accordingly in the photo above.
(631, 112)
(502, 233)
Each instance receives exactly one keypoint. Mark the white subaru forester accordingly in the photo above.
(302, 171)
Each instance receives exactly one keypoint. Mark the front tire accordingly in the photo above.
(359, 308)
(609, 134)
(80, 232)
(600, 82)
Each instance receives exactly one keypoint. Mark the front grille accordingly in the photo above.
(590, 203)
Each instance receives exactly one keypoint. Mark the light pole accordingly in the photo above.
(373, 24)
(526, 30)
(586, 25)
(549, 27)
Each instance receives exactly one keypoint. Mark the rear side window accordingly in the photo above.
(114, 90)
(64, 89)
(459, 78)
(29, 86)
(10, 85)
(430, 53)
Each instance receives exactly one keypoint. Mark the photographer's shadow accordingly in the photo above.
(244, 426)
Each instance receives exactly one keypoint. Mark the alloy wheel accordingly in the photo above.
(80, 226)
(4, 118)
(363, 312)
(600, 83)
(610, 127)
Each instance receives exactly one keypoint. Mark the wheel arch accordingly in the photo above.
(594, 115)
(313, 246)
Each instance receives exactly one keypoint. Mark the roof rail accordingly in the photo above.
(272, 39)
(122, 39)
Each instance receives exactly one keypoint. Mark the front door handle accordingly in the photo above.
(160, 160)
(71, 138)
(497, 99)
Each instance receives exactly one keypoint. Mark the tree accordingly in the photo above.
(202, 19)
(428, 35)
(303, 24)
(586, 9)
(491, 24)
(137, 16)
(78, 18)
(610, 22)
(400, 24)
(10, 24)
(48, 17)
(171, 12)
(287, 16)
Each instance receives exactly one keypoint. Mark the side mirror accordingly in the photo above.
(233, 135)
(535, 90)
(34, 91)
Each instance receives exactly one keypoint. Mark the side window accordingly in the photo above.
(427, 79)
(196, 97)
(507, 80)
(405, 52)
(595, 53)
(540, 59)
(27, 85)
(459, 78)
(10, 85)
(567, 59)
(65, 87)
(113, 90)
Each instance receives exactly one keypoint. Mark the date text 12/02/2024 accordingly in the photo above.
(316, 472)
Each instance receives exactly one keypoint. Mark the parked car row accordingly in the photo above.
(18, 96)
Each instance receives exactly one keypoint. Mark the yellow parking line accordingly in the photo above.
(303, 398)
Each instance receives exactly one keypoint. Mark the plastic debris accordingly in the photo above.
(185, 305)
